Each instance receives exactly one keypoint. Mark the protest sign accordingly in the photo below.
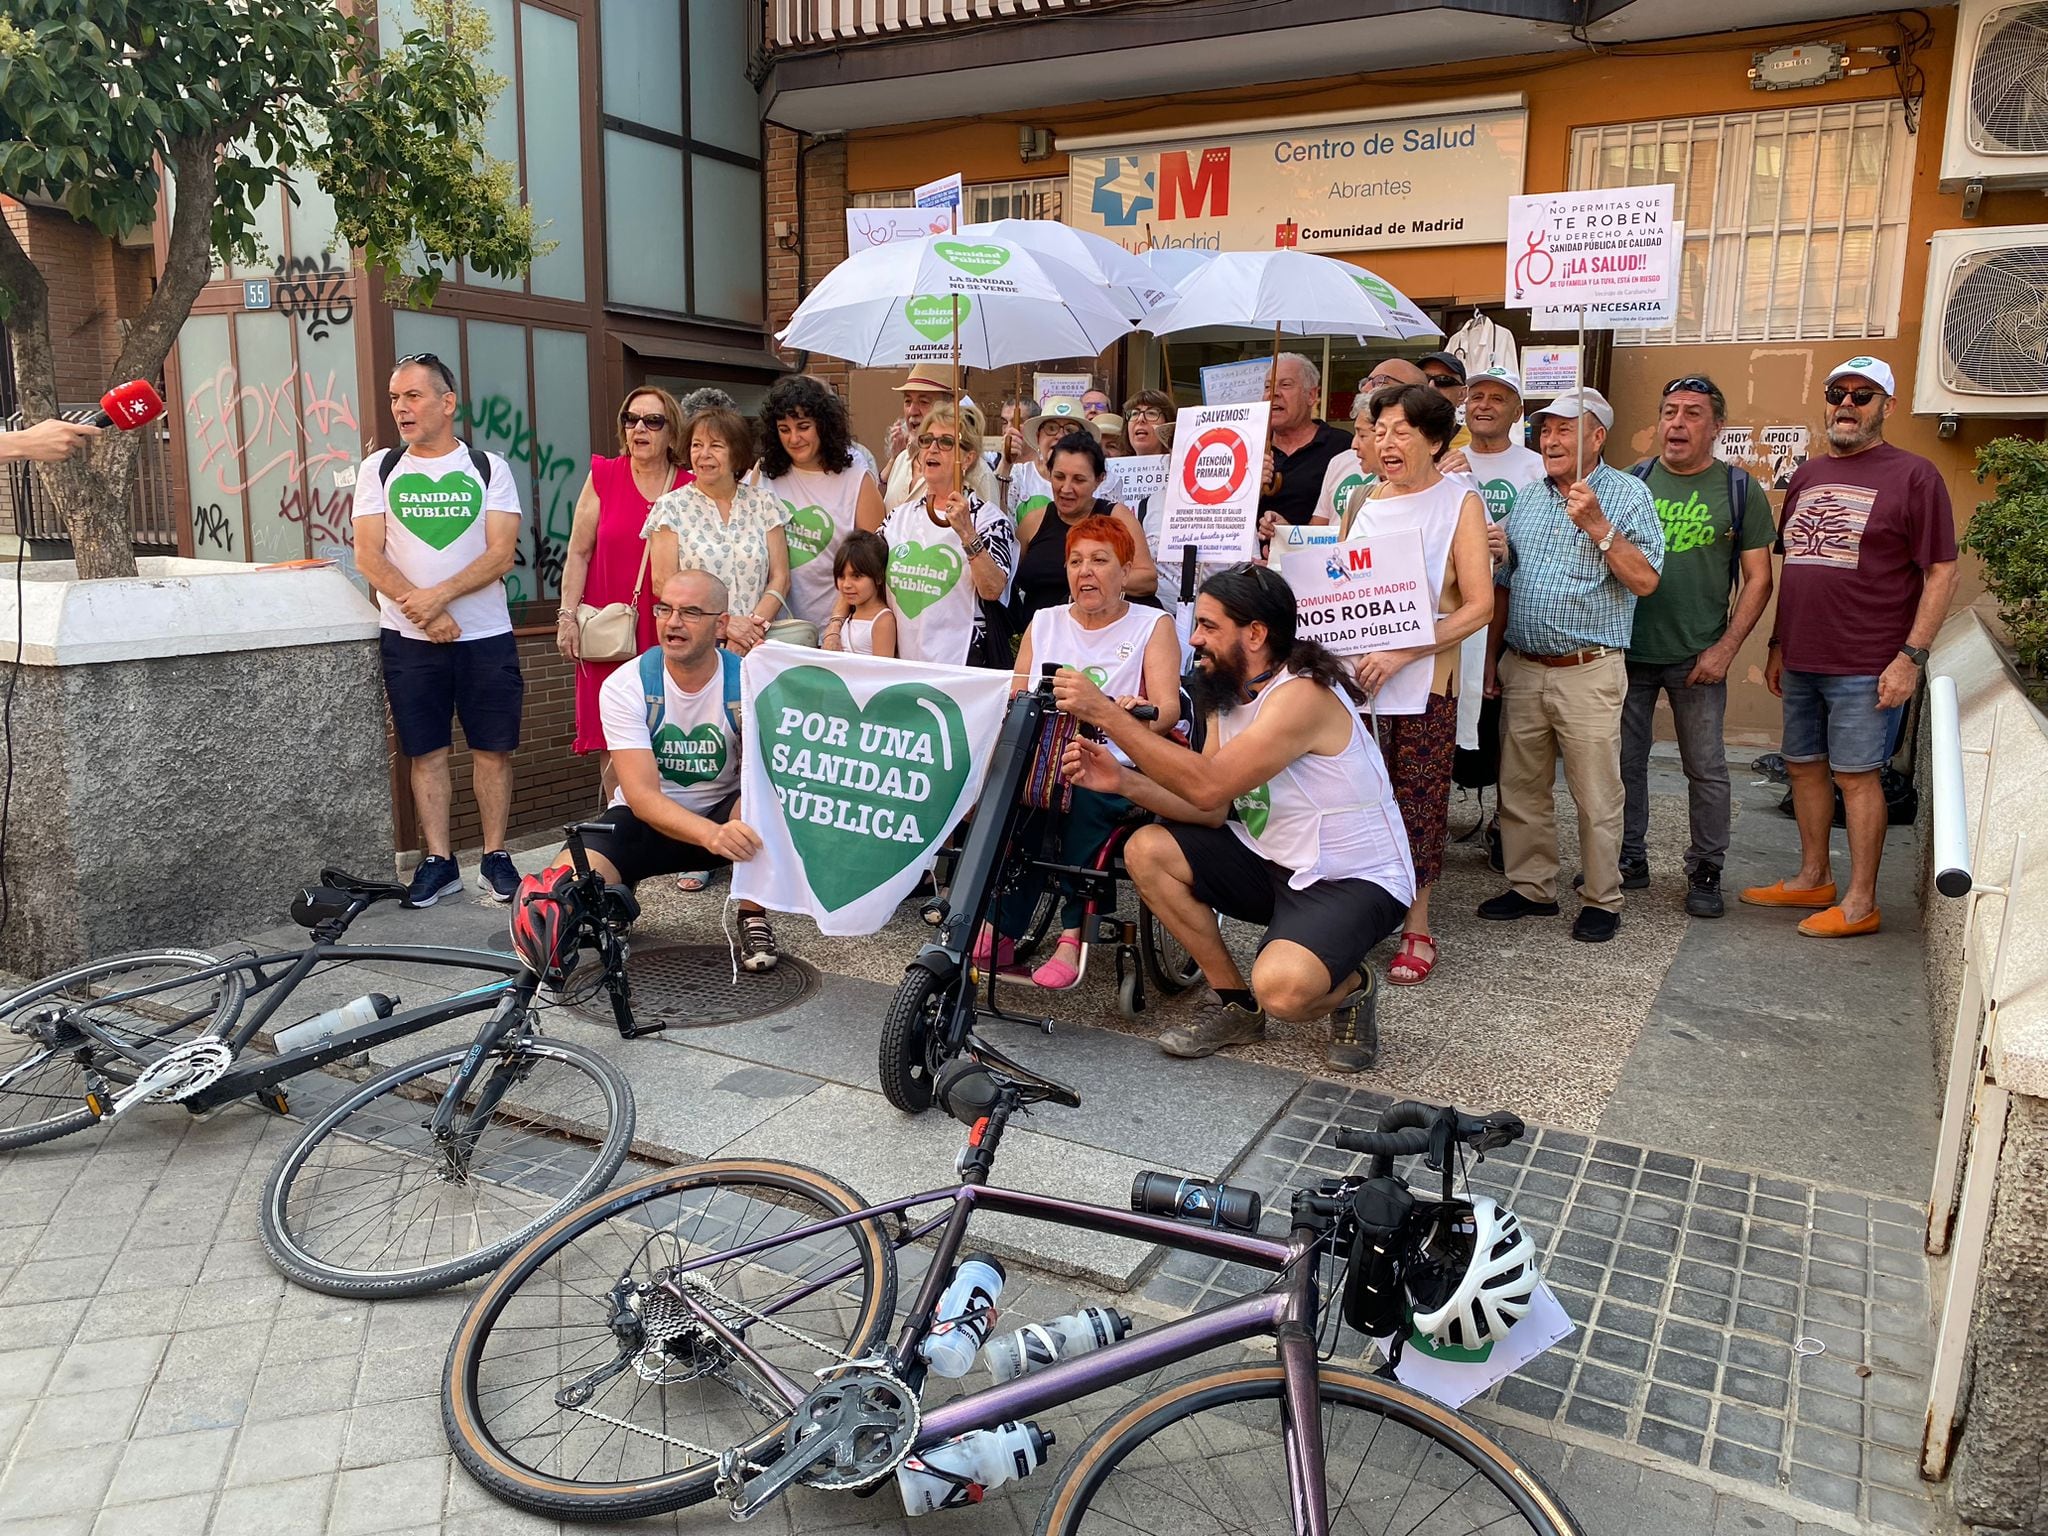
(1454, 1377)
(1602, 318)
(854, 770)
(1211, 497)
(1052, 386)
(1735, 445)
(1548, 372)
(867, 227)
(1603, 253)
(1364, 595)
(1292, 537)
(1236, 383)
(1782, 450)
(1130, 480)
(943, 193)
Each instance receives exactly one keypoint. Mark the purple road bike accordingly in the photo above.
(729, 1328)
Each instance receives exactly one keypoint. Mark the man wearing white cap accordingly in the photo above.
(1582, 546)
(1869, 542)
(920, 393)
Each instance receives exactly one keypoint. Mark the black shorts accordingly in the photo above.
(430, 684)
(1337, 921)
(637, 850)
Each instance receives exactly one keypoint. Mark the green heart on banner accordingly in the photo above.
(931, 315)
(809, 533)
(921, 574)
(865, 790)
(1254, 806)
(1377, 289)
(690, 757)
(436, 512)
(977, 260)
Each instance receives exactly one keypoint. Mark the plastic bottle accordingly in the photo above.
(324, 1026)
(1037, 1345)
(960, 1472)
(967, 1314)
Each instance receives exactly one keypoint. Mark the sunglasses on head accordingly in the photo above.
(653, 421)
(1835, 394)
(428, 360)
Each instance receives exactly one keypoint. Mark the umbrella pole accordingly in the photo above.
(1323, 399)
(959, 414)
(1273, 373)
(1166, 367)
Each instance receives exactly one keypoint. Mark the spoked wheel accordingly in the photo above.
(1043, 922)
(60, 1035)
(1172, 968)
(369, 1202)
(1205, 1456)
(579, 1386)
(914, 1039)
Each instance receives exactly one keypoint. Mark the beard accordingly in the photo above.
(1850, 436)
(1218, 688)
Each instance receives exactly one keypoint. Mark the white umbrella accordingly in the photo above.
(1131, 284)
(1290, 292)
(957, 299)
(1175, 264)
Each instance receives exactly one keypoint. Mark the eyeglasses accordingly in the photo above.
(935, 440)
(1835, 394)
(664, 612)
(428, 360)
(653, 422)
(1444, 381)
(1144, 413)
(1379, 381)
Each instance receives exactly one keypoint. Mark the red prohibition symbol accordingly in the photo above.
(1215, 437)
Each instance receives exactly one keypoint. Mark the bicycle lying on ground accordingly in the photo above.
(724, 1329)
(422, 1176)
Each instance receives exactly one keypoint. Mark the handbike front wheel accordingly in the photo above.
(914, 1039)
(61, 1034)
(578, 1387)
(369, 1203)
(1206, 1456)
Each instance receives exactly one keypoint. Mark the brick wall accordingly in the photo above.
(551, 785)
(821, 223)
(95, 284)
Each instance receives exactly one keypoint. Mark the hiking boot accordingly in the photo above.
(1355, 1031)
(757, 943)
(1703, 891)
(500, 876)
(1215, 1025)
(436, 877)
(1635, 876)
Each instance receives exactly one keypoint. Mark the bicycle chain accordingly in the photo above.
(692, 1283)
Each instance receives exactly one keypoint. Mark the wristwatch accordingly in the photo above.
(1607, 543)
(1916, 654)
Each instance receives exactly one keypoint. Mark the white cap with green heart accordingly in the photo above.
(1499, 375)
(1878, 371)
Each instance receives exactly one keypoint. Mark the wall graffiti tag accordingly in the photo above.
(498, 422)
(326, 515)
(282, 420)
(311, 294)
(211, 528)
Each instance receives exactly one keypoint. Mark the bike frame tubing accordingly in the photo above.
(304, 962)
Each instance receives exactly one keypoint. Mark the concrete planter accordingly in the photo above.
(187, 747)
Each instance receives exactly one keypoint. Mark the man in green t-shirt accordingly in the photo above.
(1686, 635)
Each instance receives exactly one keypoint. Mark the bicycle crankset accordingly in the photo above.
(851, 1431)
(177, 1074)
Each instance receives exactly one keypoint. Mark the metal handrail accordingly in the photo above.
(796, 24)
(1952, 862)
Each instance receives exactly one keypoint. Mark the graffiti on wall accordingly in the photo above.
(294, 432)
(212, 528)
(312, 294)
(499, 423)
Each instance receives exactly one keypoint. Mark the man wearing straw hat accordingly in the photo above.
(920, 393)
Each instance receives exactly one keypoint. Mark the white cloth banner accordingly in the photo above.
(855, 768)
(1211, 496)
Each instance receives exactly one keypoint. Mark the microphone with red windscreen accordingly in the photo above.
(128, 406)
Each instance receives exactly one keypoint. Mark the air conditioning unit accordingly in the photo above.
(1983, 346)
(1998, 96)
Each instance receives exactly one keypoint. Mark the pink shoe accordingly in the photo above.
(1056, 975)
(988, 946)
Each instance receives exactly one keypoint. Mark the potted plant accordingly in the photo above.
(2010, 535)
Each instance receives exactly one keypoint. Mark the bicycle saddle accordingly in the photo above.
(361, 885)
(970, 1084)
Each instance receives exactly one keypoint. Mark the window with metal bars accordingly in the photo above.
(1795, 220)
(1039, 197)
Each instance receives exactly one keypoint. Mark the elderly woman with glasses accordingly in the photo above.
(951, 554)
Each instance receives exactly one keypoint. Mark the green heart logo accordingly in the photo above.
(1029, 505)
(921, 574)
(436, 512)
(976, 260)
(931, 315)
(1254, 806)
(690, 757)
(865, 791)
(1096, 675)
(809, 533)
(1377, 289)
(1499, 496)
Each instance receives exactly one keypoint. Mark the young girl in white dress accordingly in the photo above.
(862, 621)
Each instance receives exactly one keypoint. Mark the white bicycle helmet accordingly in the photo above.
(1477, 1277)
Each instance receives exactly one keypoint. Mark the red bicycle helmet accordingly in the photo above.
(544, 924)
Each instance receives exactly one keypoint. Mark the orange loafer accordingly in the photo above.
(1779, 894)
(1832, 925)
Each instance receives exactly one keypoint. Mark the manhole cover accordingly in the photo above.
(691, 986)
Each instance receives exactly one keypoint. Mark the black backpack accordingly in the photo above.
(388, 465)
(1738, 503)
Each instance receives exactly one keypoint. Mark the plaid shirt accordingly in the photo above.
(1561, 595)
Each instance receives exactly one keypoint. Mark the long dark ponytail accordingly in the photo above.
(1258, 594)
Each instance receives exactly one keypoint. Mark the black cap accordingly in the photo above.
(1450, 360)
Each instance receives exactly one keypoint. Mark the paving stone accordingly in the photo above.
(1668, 1185)
(1608, 1386)
(1640, 1290)
(1765, 1320)
(1825, 1488)
(1746, 1426)
(1751, 1354)
(281, 1450)
(1752, 1466)
(24, 1371)
(81, 1418)
(1751, 1387)
(185, 1516)
(1619, 1317)
(1739, 1517)
(1777, 1210)
(1601, 1418)
(64, 1483)
(1685, 1370)
(1617, 1350)
(1840, 1414)
(297, 1508)
(1530, 1397)
(377, 1499)
(167, 1465)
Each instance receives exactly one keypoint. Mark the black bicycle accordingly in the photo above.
(426, 1174)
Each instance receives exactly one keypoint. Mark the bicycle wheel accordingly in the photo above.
(68, 1031)
(912, 1034)
(1204, 1456)
(1172, 968)
(553, 1408)
(368, 1203)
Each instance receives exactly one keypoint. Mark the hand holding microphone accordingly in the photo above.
(126, 406)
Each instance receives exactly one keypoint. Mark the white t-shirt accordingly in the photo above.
(820, 508)
(698, 756)
(938, 611)
(1344, 476)
(1499, 475)
(436, 520)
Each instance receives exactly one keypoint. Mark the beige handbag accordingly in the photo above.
(612, 633)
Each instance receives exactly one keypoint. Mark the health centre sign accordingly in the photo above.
(1434, 178)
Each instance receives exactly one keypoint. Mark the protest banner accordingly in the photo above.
(866, 227)
(1236, 383)
(854, 770)
(1602, 317)
(1293, 537)
(1130, 480)
(1211, 496)
(1548, 372)
(1604, 253)
(1052, 386)
(1368, 594)
(943, 193)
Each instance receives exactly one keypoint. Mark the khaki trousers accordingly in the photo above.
(1573, 713)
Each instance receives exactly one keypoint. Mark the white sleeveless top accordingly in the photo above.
(857, 636)
(820, 508)
(1434, 514)
(1113, 656)
(1324, 818)
(930, 585)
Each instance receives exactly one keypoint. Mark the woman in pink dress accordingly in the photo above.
(605, 547)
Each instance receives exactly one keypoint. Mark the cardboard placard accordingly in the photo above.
(1211, 496)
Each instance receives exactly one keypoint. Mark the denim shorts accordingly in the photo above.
(1836, 720)
(429, 684)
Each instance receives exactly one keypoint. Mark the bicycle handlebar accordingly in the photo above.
(1408, 1128)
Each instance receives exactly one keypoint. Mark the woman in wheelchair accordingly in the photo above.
(1133, 655)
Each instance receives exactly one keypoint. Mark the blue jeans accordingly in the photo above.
(1837, 720)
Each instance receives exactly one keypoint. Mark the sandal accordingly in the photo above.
(988, 947)
(1410, 959)
(1057, 974)
(693, 882)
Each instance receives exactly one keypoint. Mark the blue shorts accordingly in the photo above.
(1836, 720)
(430, 684)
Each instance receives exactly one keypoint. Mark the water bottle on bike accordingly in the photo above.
(967, 1312)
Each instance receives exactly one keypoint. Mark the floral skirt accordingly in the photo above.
(1419, 751)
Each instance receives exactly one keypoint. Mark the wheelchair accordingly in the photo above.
(943, 995)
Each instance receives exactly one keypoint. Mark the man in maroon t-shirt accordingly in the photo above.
(1869, 542)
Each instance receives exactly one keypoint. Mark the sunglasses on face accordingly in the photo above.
(664, 612)
(935, 440)
(1835, 395)
(654, 421)
(1444, 381)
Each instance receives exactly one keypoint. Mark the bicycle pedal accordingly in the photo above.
(274, 1100)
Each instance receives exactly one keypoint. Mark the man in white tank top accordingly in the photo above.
(1315, 851)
